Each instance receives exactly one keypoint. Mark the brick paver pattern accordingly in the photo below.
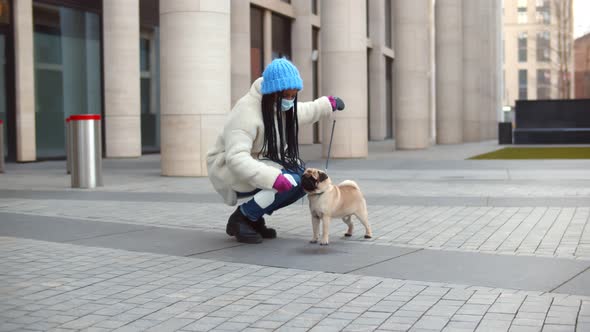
(538, 231)
(63, 287)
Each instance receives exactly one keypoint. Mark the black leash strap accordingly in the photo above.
(330, 145)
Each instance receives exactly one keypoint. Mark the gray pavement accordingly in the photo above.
(460, 245)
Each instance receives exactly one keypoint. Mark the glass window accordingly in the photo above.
(67, 72)
(522, 84)
(522, 47)
(149, 80)
(314, 7)
(149, 75)
(389, 97)
(3, 91)
(281, 37)
(4, 94)
(256, 43)
(144, 53)
(388, 13)
(370, 95)
(4, 12)
(522, 17)
(543, 46)
(543, 12)
(543, 84)
(367, 18)
(315, 37)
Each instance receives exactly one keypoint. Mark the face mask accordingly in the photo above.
(287, 104)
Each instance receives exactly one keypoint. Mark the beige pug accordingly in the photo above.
(327, 201)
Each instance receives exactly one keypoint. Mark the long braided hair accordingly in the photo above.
(286, 150)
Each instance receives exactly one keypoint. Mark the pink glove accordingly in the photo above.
(282, 184)
(337, 103)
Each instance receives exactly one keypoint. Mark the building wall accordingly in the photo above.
(512, 28)
(355, 58)
(24, 81)
(380, 52)
(449, 78)
(582, 66)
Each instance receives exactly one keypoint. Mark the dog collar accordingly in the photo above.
(316, 194)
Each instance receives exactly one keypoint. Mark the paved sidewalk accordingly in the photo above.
(459, 245)
(63, 287)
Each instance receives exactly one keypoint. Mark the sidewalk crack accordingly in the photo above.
(382, 261)
(213, 250)
(570, 279)
(109, 234)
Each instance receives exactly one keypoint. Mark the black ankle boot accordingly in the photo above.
(260, 227)
(239, 226)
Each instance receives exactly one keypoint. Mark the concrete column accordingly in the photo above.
(121, 78)
(26, 149)
(497, 65)
(500, 61)
(195, 81)
(240, 49)
(301, 45)
(492, 73)
(432, 74)
(472, 100)
(344, 74)
(267, 37)
(492, 67)
(412, 80)
(377, 67)
(449, 71)
(485, 69)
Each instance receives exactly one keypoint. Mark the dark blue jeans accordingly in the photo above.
(254, 211)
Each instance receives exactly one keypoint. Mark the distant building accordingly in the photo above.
(537, 35)
(582, 66)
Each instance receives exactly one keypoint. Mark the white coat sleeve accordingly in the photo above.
(313, 111)
(239, 160)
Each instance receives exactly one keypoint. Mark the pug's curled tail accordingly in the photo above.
(349, 183)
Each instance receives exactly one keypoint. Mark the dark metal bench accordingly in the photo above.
(552, 135)
(561, 121)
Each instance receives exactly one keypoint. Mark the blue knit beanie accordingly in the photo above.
(280, 75)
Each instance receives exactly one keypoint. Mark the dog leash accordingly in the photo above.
(330, 145)
(329, 150)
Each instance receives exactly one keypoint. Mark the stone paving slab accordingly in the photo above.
(461, 178)
(341, 256)
(580, 284)
(371, 182)
(170, 241)
(63, 287)
(418, 201)
(92, 195)
(531, 273)
(372, 198)
(537, 231)
(178, 242)
(58, 229)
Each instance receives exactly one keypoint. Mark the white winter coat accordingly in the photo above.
(233, 162)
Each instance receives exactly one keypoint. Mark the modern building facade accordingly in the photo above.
(538, 50)
(164, 73)
(582, 66)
